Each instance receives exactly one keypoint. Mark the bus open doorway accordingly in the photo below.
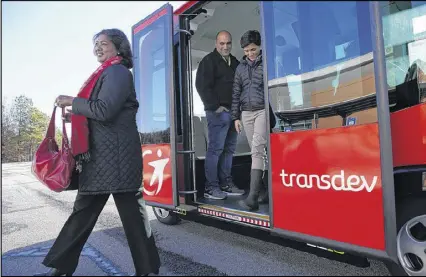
(214, 17)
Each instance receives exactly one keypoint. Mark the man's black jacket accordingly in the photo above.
(214, 81)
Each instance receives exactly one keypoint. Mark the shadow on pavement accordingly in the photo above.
(27, 261)
(110, 257)
(267, 237)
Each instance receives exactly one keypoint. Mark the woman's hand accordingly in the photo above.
(64, 101)
(67, 116)
(238, 126)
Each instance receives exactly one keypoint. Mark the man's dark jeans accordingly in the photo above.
(221, 148)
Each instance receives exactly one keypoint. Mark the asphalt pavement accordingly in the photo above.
(32, 216)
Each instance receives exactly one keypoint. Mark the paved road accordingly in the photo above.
(32, 217)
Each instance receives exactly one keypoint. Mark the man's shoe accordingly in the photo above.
(213, 192)
(231, 189)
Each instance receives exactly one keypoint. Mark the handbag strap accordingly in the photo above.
(65, 142)
(51, 129)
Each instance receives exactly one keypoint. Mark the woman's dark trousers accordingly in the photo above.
(65, 252)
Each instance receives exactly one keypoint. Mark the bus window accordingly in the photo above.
(153, 114)
(404, 30)
(319, 55)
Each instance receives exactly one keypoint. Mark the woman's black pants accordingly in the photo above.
(66, 250)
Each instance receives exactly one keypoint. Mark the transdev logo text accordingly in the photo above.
(339, 182)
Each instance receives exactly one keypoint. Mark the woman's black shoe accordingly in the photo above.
(53, 272)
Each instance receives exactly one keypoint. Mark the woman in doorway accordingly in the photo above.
(248, 105)
(105, 142)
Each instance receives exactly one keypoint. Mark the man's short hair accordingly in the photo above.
(223, 31)
(251, 36)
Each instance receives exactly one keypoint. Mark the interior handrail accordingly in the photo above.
(343, 109)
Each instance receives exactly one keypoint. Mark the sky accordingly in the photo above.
(47, 46)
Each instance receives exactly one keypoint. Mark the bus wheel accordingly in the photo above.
(411, 238)
(166, 216)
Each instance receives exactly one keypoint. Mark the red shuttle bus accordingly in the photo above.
(347, 158)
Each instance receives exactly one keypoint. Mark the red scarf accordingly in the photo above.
(79, 124)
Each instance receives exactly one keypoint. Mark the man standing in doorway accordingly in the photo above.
(214, 81)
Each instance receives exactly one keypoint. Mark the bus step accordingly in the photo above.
(183, 209)
(235, 215)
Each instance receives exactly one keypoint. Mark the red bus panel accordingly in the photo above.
(409, 136)
(157, 174)
(327, 183)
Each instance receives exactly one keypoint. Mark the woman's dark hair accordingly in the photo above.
(251, 36)
(122, 44)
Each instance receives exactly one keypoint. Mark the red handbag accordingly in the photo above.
(54, 167)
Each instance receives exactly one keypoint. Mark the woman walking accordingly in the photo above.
(106, 145)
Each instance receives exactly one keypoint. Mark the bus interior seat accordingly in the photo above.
(200, 145)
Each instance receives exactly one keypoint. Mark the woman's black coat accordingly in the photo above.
(114, 145)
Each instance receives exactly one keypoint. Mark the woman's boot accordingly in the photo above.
(264, 192)
(251, 203)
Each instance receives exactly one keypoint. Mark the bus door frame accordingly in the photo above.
(167, 11)
(188, 190)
